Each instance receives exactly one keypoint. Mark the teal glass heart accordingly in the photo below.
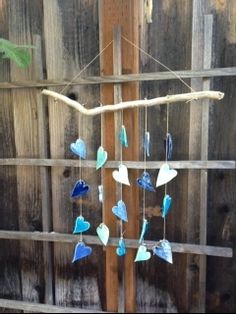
(142, 254)
(165, 205)
(81, 225)
(123, 136)
(163, 250)
(101, 157)
(121, 249)
(143, 231)
(103, 233)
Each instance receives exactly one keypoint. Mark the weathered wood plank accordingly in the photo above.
(131, 243)
(10, 285)
(124, 78)
(21, 31)
(75, 284)
(195, 303)
(44, 174)
(207, 60)
(41, 308)
(221, 287)
(181, 164)
(173, 48)
(125, 14)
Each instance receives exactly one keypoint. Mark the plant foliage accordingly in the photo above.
(17, 53)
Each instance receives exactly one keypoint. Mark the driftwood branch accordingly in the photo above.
(136, 103)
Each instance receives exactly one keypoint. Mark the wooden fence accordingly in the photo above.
(37, 170)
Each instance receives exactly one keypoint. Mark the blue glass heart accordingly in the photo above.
(168, 144)
(146, 144)
(103, 233)
(101, 157)
(79, 148)
(123, 136)
(120, 211)
(81, 225)
(144, 229)
(81, 251)
(163, 250)
(142, 254)
(165, 205)
(145, 182)
(121, 249)
(80, 188)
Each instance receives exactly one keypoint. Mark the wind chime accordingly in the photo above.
(162, 249)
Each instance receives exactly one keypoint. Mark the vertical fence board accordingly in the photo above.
(10, 286)
(164, 286)
(21, 31)
(124, 14)
(44, 174)
(71, 42)
(221, 288)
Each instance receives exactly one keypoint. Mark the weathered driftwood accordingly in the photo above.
(135, 103)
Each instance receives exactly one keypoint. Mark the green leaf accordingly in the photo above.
(17, 53)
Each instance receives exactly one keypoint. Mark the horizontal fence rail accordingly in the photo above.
(184, 164)
(155, 76)
(130, 243)
(41, 308)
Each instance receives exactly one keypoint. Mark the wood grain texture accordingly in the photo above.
(10, 285)
(173, 48)
(131, 243)
(222, 199)
(40, 308)
(71, 41)
(125, 14)
(180, 164)
(26, 143)
(108, 79)
(44, 174)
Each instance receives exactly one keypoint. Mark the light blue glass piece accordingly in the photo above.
(166, 203)
(121, 249)
(79, 148)
(142, 254)
(163, 250)
(123, 136)
(103, 233)
(146, 144)
(81, 251)
(101, 157)
(143, 231)
(81, 225)
(120, 211)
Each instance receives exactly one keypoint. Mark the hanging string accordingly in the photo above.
(145, 161)
(167, 131)
(87, 65)
(121, 187)
(159, 62)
